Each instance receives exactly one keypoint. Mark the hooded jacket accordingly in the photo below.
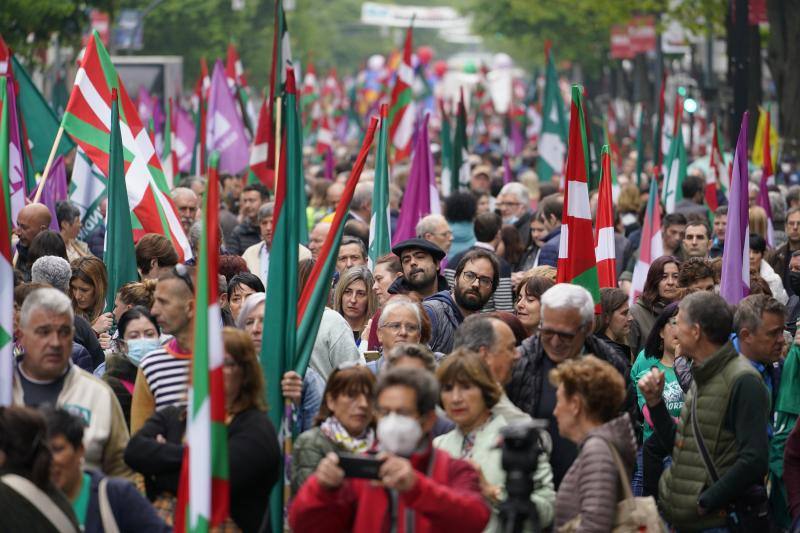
(445, 318)
(549, 253)
(592, 486)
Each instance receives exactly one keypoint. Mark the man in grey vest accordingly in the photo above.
(729, 404)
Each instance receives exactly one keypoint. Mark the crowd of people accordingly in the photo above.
(422, 359)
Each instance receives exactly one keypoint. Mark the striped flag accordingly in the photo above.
(324, 136)
(169, 155)
(203, 492)
(6, 268)
(259, 150)
(675, 172)
(379, 231)
(718, 167)
(553, 137)
(16, 174)
(766, 174)
(199, 103)
(281, 61)
(651, 247)
(87, 121)
(576, 261)
(735, 280)
(765, 135)
(604, 250)
(402, 110)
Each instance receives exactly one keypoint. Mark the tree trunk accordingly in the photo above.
(784, 62)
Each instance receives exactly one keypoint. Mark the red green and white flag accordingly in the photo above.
(203, 491)
(309, 100)
(459, 157)
(169, 154)
(259, 149)
(652, 247)
(324, 136)
(553, 137)
(281, 61)
(576, 261)
(87, 121)
(6, 268)
(402, 110)
(675, 171)
(380, 233)
(234, 73)
(604, 250)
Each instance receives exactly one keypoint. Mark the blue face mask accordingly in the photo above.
(138, 348)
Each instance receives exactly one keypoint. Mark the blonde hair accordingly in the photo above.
(758, 221)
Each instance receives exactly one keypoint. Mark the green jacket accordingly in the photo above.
(309, 449)
(486, 453)
(683, 483)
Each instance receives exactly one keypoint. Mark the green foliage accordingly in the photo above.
(27, 25)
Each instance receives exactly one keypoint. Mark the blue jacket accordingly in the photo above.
(445, 318)
(132, 512)
(549, 254)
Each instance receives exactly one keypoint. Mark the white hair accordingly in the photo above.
(52, 270)
(45, 299)
(569, 296)
(362, 196)
(429, 224)
(517, 189)
(399, 304)
(250, 305)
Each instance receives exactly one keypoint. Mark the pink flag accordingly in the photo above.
(184, 138)
(225, 130)
(55, 190)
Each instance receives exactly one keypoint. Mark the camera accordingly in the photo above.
(522, 444)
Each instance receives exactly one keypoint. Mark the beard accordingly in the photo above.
(469, 299)
(420, 279)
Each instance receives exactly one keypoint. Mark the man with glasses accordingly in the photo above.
(163, 376)
(477, 277)
(422, 488)
(783, 254)
(435, 228)
(565, 332)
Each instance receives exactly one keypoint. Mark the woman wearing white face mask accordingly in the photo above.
(468, 393)
(345, 422)
(138, 335)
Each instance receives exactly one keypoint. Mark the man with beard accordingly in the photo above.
(420, 262)
(477, 276)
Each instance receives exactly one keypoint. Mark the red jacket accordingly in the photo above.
(448, 500)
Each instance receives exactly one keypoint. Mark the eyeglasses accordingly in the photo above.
(182, 272)
(395, 327)
(470, 277)
(565, 336)
(507, 204)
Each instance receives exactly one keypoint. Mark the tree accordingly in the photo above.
(783, 58)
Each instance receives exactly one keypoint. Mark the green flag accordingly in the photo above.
(446, 153)
(120, 253)
(675, 173)
(380, 238)
(460, 165)
(553, 137)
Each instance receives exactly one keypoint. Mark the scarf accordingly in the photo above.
(335, 431)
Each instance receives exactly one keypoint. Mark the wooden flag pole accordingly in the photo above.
(40, 186)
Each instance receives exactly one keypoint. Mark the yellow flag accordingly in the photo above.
(758, 144)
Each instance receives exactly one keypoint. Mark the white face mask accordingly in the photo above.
(399, 434)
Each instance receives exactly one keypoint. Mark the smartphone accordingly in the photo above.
(360, 466)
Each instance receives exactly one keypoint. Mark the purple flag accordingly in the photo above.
(224, 129)
(422, 196)
(16, 174)
(184, 139)
(330, 164)
(55, 190)
(508, 175)
(517, 139)
(763, 201)
(735, 283)
(144, 104)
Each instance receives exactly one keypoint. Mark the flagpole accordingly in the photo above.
(277, 140)
(40, 187)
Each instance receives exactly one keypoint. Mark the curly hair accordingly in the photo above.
(694, 269)
(600, 385)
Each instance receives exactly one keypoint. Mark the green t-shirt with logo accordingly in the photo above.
(673, 394)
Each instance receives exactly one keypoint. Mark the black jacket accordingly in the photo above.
(243, 237)
(132, 512)
(86, 337)
(159, 463)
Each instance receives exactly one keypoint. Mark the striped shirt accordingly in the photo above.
(166, 371)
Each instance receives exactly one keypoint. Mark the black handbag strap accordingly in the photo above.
(698, 436)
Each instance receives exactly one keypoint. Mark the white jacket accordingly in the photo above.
(106, 433)
(774, 281)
